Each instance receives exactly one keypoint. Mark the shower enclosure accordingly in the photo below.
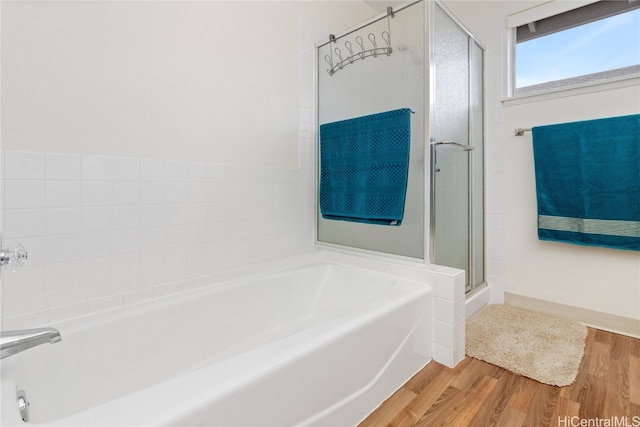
(415, 56)
(457, 149)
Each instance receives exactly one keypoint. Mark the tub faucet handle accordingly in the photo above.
(15, 256)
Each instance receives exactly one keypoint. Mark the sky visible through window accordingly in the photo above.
(591, 48)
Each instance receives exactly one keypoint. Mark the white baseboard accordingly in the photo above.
(598, 320)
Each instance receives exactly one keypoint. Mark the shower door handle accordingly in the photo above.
(464, 147)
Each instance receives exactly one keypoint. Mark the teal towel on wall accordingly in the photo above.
(364, 166)
(588, 182)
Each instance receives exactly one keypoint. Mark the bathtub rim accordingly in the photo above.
(92, 319)
(182, 385)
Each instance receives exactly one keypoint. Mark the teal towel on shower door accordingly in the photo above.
(588, 182)
(364, 166)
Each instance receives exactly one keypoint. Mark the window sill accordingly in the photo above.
(581, 89)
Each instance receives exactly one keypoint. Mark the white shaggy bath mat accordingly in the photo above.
(540, 346)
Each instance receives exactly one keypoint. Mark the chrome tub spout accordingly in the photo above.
(12, 342)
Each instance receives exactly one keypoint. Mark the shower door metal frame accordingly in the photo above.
(425, 259)
(429, 85)
(431, 226)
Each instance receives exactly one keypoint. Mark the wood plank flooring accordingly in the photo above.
(479, 394)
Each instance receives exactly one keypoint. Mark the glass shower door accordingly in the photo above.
(457, 151)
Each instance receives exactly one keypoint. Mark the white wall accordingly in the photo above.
(598, 279)
(214, 80)
(603, 285)
(152, 147)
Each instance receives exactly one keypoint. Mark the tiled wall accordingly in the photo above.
(103, 231)
(107, 231)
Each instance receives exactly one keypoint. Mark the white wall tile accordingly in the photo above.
(448, 335)
(125, 192)
(61, 301)
(63, 194)
(443, 311)
(31, 309)
(235, 211)
(73, 304)
(251, 229)
(95, 219)
(126, 168)
(235, 192)
(217, 211)
(61, 275)
(152, 238)
(235, 230)
(125, 217)
(265, 191)
(23, 165)
(93, 245)
(95, 277)
(175, 235)
(265, 227)
(28, 281)
(458, 353)
(216, 192)
(151, 192)
(235, 173)
(217, 232)
(151, 170)
(252, 174)
(196, 213)
(458, 309)
(444, 355)
(251, 191)
(280, 191)
(196, 234)
(62, 221)
(175, 214)
(62, 248)
(197, 192)
(197, 262)
(112, 230)
(152, 268)
(251, 210)
(197, 171)
(96, 193)
(63, 166)
(20, 223)
(96, 167)
(23, 194)
(126, 271)
(175, 192)
(125, 242)
(216, 172)
(279, 176)
(175, 262)
(175, 170)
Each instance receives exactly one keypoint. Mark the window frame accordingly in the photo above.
(542, 12)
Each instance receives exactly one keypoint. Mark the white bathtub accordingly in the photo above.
(323, 344)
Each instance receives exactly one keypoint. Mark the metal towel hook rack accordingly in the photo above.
(364, 52)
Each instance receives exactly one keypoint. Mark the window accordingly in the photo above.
(594, 42)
